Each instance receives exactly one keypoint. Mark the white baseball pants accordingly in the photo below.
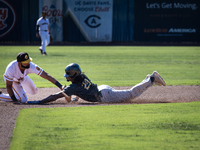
(110, 95)
(45, 39)
(20, 90)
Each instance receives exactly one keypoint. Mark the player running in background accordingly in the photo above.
(82, 87)
(18, 82)
(42, 31)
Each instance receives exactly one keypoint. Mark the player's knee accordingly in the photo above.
(24, 98)
(34, 91)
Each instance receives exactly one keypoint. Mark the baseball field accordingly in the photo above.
(162, 118)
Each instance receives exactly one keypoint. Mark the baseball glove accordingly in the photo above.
(51, 39)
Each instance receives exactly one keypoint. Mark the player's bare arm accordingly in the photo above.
(51, 79)
(54, 97)
(49, 30)
(37, 31)
(10, 91)
(51, 98)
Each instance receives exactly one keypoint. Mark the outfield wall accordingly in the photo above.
(102, 20)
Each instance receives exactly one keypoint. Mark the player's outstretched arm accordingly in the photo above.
(51, 98)
(51, 79)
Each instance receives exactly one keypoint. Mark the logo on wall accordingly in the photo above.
(7, 18)
(93, 21)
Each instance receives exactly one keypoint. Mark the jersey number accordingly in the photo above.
(86, 83)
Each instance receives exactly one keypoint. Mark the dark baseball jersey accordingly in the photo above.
(83, 88)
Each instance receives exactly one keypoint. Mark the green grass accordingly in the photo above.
(114, 65)
(148, 126)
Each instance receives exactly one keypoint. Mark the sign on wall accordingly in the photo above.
(167, 21)
(53, 9)
(92, 17)
(7, 18)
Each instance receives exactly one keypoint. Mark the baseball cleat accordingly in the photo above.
(148, 76)
(0, 92)
(44, 53)
(41, 51)
(157, 79)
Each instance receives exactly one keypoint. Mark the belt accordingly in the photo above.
(44, 30)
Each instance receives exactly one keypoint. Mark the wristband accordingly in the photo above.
(58, 84)
(13, 98)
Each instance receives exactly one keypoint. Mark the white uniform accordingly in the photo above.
(22, 83)
(110, 95)
(43, 31)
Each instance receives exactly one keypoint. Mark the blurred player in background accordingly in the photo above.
(42, 31)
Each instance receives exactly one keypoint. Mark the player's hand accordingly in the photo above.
(51, 38)
(68, 99)
(37, 35)
(63, 87)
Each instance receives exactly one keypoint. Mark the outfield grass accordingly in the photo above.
(114, 65)
(115, 127)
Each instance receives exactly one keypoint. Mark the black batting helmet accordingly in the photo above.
(72, 70)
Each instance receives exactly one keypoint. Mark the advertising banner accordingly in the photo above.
(53, 9)
(167, 21)
(92, 17)
(10, 20)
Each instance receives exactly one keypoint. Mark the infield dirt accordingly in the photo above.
(155, 94)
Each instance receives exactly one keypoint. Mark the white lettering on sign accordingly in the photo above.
(182, 30)
(89, 3)
(92, 3)
(103, 3)
(152, 6)
(182, 6)
(165, 5)
(86, 9)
